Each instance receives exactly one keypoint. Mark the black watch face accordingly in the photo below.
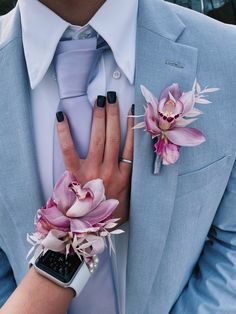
(58, 265)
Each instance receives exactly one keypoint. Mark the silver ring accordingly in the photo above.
(127, 161)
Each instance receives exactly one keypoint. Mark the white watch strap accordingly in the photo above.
(79, 281)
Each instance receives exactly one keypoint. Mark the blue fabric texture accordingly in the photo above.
(182, 245)
(7, 280)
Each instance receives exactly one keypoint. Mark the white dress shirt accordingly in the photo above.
(42, 29)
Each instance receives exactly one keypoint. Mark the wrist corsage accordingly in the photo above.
(76, 220)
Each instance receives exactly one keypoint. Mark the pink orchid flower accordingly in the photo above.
(76, 219)
(165, 120)
(75, 208)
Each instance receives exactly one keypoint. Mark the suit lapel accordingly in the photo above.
(20, 189)
(160, 61)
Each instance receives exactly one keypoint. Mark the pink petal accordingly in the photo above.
(187, 100)
(185, 136)
(168, 151)
(42, 226)
(171, 97)
(181, 122)
(193, 113)
(167, 105)
(173, 89)
(97, 243)
(179, 108)
(81, 226)
(103, 211)
(81, 192)
(62, 195)
(97, 187)
(50, 203)
(165, 162)
(171, 154)
(150, 98)
(160, 146)
(54, 217)
(80, 208)
(151, 120)
(161, 105)
(53, 241)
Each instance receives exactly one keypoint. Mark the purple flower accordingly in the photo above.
(76, 219)
(75, 208)
(165, 120)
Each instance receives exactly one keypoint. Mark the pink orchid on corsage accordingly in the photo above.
(76, 219)
(167, 119)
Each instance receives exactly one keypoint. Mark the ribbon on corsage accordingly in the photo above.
(76, 219)
(167, 119)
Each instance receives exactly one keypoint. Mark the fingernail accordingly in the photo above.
(60, 116)
(133, 109)
(111, 97)
(101, 101)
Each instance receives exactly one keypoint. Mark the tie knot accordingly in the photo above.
(74, 61)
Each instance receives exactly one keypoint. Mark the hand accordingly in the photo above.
(36, 295)
(103, 156)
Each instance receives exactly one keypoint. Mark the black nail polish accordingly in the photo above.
(60, 116)
(133, 109)
(101, 101)
(111, 97)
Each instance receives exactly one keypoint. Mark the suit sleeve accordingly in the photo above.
(212, 287)
(7, 280)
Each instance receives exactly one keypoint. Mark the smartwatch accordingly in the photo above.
(66, 271)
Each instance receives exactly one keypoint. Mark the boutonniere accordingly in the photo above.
(167, 119)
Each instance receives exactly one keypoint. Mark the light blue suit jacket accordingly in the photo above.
(171, 267)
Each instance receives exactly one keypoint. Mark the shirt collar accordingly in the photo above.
(42, 29)
(116, 22)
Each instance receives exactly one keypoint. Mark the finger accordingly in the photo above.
(97, 141)
(126, 168)
(70, 155)
(112, 130)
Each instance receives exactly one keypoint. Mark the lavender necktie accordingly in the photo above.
(74, 63)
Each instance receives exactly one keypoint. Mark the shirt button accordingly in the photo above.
(116, 75)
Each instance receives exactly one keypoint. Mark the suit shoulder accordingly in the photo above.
(204, 26)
